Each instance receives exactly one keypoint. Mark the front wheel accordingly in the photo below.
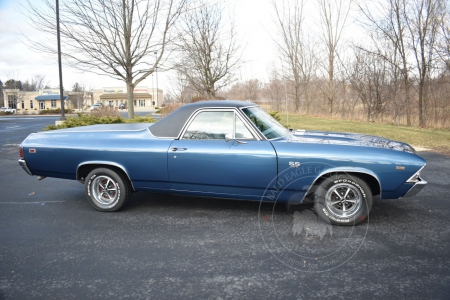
(343, 200)
(107, 190)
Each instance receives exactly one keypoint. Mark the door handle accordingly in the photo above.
(178, 149)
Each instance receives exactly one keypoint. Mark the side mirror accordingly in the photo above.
(229, 137)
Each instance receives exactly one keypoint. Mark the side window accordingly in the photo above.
(210, 125)
(242, 131)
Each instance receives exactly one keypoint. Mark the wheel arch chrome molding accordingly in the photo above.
(346, 171)
(103, 164)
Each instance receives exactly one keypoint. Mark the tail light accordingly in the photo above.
(21, 152)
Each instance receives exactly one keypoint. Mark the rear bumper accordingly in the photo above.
(24, 166)
(416, 188)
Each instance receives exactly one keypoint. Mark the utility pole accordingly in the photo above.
(61, 89)
(157, 92)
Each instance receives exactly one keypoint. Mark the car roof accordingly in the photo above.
(171, 125)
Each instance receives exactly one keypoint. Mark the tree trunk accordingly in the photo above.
(421, 93)
(330, 82)
(408, 109)
(130, 100)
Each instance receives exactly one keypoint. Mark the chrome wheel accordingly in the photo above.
(105, 191)
(343, 200)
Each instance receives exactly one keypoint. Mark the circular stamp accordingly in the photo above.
(295, 235)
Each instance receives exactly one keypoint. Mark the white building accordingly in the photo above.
(144, 97)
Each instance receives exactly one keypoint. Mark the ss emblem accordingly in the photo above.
(294, 164)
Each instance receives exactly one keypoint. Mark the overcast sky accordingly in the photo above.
(254, 19)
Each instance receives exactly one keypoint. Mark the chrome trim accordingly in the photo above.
(101, 131)
(263, 137)
(104, 163)
(206, 109)
(416, 177)
(347, 172)
(255, 131)
(416, 188)
(24, 166)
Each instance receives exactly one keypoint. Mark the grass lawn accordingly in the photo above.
(433, 139)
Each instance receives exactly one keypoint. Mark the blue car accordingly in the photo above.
(228, 149)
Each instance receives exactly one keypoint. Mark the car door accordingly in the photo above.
(203, 161)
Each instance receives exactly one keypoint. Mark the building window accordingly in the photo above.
(53, 103)
(111, 103)
(154, 103)
(134, 102)
(23, 104)
(31, 104)
(12, 101)
(141, 103)
(41, 105)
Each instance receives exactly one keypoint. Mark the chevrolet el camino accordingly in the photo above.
(228, 149)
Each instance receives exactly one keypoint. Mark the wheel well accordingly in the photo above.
(84, 170)
(371, 181)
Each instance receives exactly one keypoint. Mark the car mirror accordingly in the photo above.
(228, 137)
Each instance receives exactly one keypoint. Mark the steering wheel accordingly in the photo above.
(267, 131)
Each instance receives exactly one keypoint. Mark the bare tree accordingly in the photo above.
(181, 90)
(370, 79)
(333, 17)
(411, 27)
(443, 46)
(295, 48)
(423, 23)
(208, 48)
(117, 38)
(387, 19)
(274, 90)
(77, 96)
(39, 82)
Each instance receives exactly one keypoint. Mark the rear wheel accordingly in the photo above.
(107, 190)
(343, 200)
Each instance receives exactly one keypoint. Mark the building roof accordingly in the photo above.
(171, 125)
(50, 97)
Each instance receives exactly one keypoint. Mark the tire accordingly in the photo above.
(343, 200)
(107, 190)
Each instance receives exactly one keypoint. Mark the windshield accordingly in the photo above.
(268, 126)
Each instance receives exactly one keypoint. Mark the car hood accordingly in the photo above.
(349, 139)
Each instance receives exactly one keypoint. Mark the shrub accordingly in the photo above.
(56, 111)
(105, 111)
(275, 115)
(85, 120)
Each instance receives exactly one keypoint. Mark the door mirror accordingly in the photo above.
(228, 137)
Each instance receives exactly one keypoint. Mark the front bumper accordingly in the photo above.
(416, 188)
(24, 166)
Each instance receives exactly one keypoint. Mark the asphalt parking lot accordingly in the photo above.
(54, 245)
